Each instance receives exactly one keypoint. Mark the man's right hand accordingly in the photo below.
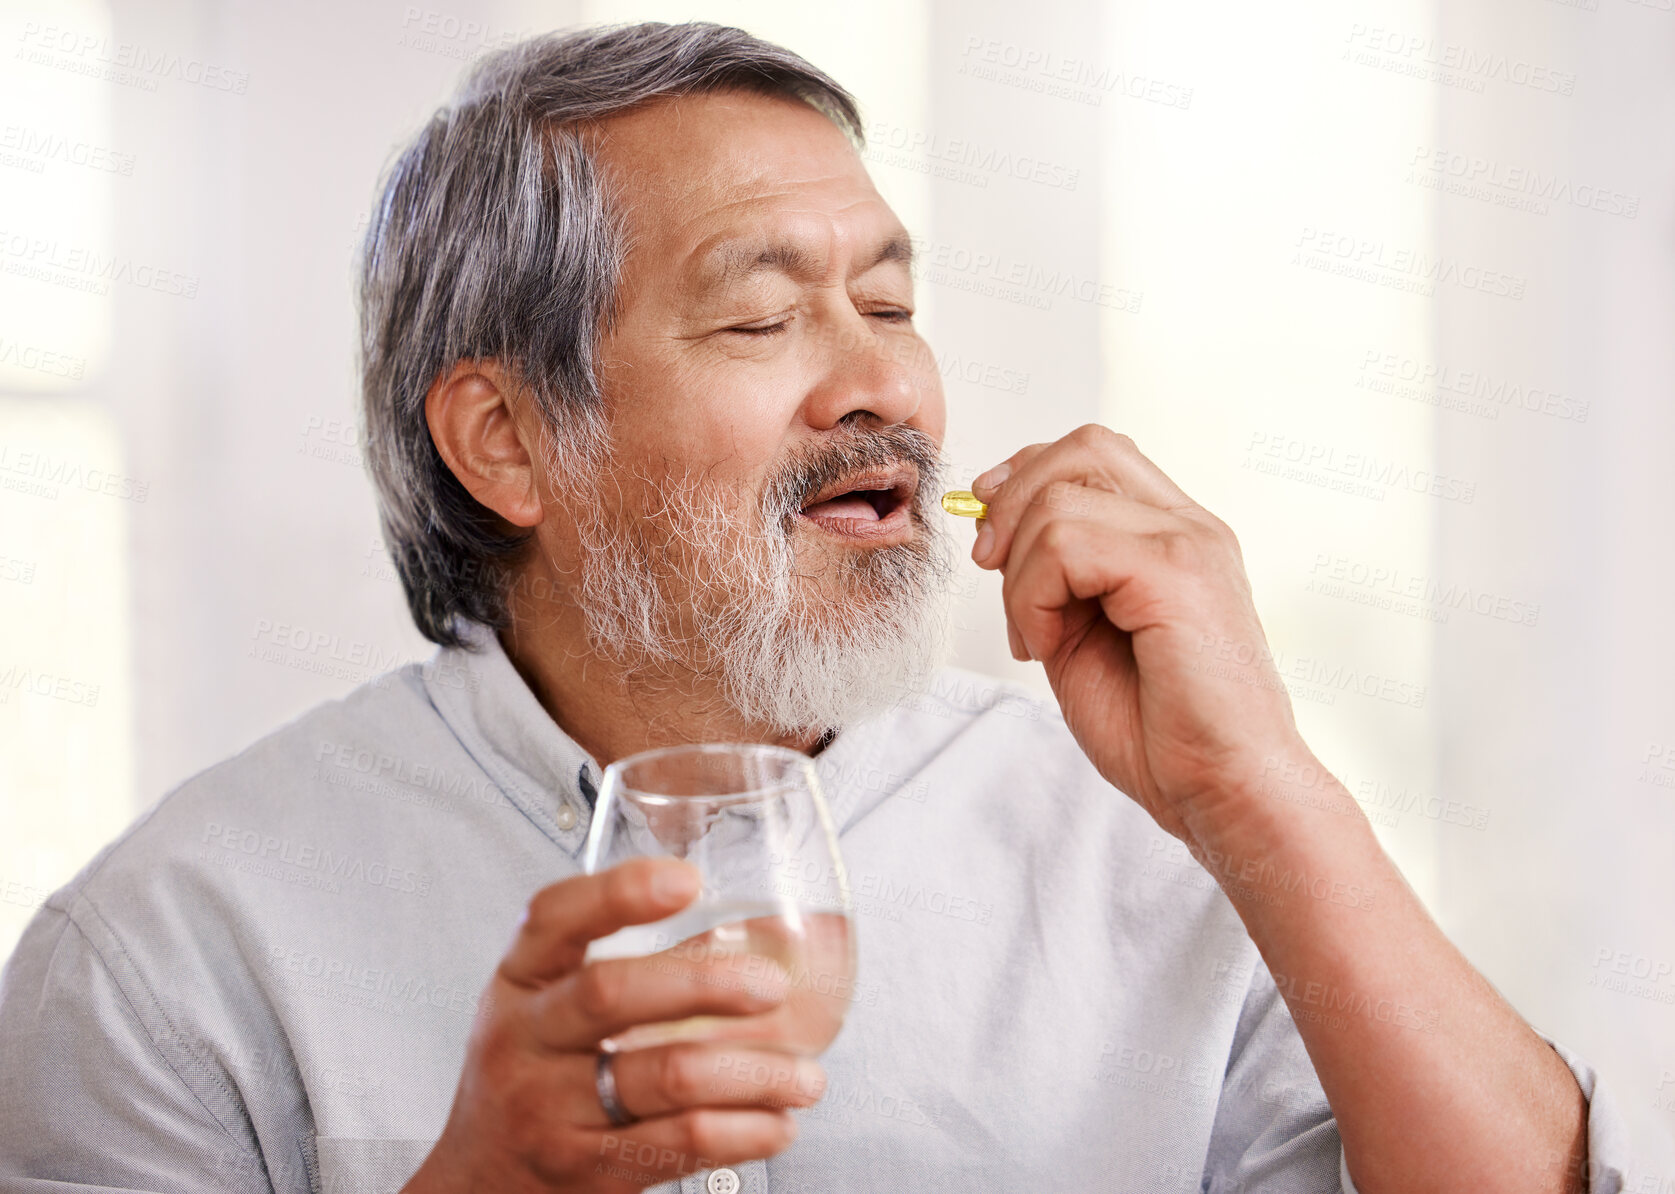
(526, 1116)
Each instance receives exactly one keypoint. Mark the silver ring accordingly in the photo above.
(604, 1081)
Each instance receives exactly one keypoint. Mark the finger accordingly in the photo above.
(604, 998)
(1142, 479)
(1091, 457)
(991, 480)
(668, 1079)
(1112, 555)
(671, 1146)
(1093, 514)
(1014, 640)
(990, 485)
(1116, 463)
(563, 917)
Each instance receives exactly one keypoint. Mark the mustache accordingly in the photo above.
(812, 467)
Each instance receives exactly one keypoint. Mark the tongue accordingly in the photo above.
(849, 506)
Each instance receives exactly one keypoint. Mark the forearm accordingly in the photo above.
(1436, 1083)
(1136, 601)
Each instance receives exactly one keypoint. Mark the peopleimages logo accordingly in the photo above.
(1063, 76)
(1367, 259)
(39, 360)
(1365, 474)
(886, 142)
(310, 856)
(451, 36)
(1035, 285)
(1304, 676)
(1470, 391)
(82, 268)
(18, 678)
(37, 147)
(122, 61)
(1506, 185)
(40, 474)
(1450, 62)
(1333, 573)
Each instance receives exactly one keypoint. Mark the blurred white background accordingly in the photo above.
(1388, 284)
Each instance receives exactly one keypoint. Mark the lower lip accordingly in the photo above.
(894, 527)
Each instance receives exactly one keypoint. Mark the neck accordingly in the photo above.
(613, 710)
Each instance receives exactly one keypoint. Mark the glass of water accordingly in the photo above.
(752, 820)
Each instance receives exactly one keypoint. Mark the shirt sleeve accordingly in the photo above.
(92, 1099)
(1608, 1137)
(1275, 1130)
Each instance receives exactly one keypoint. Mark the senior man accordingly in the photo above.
(656, 447)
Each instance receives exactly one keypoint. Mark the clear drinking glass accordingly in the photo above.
(752, 820)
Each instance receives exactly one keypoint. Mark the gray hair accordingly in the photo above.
(495, 236)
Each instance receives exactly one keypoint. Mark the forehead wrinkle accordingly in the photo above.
(746, 257)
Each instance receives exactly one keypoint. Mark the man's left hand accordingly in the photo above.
(1134, 598)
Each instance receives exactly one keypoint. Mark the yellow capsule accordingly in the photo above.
(964, 503)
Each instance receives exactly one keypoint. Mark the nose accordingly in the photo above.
(885, 374)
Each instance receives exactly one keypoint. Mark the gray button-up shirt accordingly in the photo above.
(267, 981)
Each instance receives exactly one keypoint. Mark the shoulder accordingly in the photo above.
(984, 717)
(309, 834)
(990, 749)
(290, 777)
(990, 758)
(958, 690)
(959, 698)
(992, 797)
(161, 956)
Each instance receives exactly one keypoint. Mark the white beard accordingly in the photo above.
(783, 654)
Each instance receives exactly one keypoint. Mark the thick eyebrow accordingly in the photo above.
(735, 260)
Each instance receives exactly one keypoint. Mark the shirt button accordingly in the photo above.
(566, 816)
(723, 1181)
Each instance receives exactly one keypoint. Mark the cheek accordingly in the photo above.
(932, 415)
(684, 407)
(918, 371)
(715, 419)
(933, 411)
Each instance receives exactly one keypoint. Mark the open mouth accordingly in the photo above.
(874, 504)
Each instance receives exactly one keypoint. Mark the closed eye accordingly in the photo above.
(771, 329)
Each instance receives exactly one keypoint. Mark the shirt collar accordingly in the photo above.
(540, 768)
(545, 772)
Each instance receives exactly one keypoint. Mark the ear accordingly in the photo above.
(474, 421)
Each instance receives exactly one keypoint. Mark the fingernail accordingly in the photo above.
(811, 1078)
(993, 478)
(985, 541)
(673, 884)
